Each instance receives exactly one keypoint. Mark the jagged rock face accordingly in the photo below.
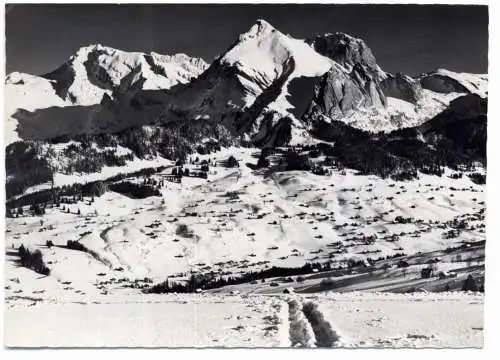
(352, 85)
(348, 52)
(402, 87)
(337, 94)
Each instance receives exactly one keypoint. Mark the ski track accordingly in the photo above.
(337, 320)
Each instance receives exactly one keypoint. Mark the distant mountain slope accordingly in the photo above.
(445, 81)
(454, 138)
(266, 88)
(371, 99)
(95, 74)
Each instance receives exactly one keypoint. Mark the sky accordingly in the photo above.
(404, 38)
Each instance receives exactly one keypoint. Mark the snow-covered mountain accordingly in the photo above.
(267, 88)
(445, 81)
(105, 107)
(370, 99)
(96, 70)
(132, 172)
(94, 74)
(246, 88)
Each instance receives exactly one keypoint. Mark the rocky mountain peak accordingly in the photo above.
(265, 76)
(260, 28)
(347, 51)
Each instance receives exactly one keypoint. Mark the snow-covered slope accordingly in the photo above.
(236, 221)
(263, 55)
(27, 92)
(246, 88)
(446, 81)
(83, 81)
(96, 70)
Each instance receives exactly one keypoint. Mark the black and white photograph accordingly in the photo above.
(245, 175)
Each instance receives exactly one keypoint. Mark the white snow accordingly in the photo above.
(175, 321)
(242, 223)
(117, 64)
(298, 210)
(361, 320)
(451, 320)
(31, 93)
(110, 171)
(475, 83)
(28, 92)
(399, 113)
(264, 54)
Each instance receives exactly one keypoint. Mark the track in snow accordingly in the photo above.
(308, 326)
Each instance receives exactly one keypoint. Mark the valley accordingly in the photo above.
(291, 193)
(231, 224)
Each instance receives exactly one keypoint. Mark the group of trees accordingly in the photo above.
(396, 156)
(207, 281)
(448, 140)
(478, 178)
(74, 192)
(24, 167)
(230, 162)
(295, 161)
(32, 260)
(87, 159)
(28, 162)
(180, 172)
(76, 245)
(211, 281)
(137, 191)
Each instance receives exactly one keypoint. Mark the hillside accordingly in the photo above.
(284, 157)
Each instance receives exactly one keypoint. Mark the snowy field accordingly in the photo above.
(238, 221)
(356, 319)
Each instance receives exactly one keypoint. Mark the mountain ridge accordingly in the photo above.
(266, 90)
(262, 61)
